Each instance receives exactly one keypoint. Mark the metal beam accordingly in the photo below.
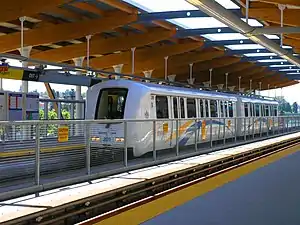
(217, 11)
(230, 42)
(201, 31)
(275, 30)
(143, 17)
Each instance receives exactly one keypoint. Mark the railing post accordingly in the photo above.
(268, 126)
(273, 127)
(211, 137)
(3, 133)
(154, 140)
(88, 148)
(260, 127)
(37, 154)
(224, 131)
(235, 129)
(245, 128)
(177, 137)
(196, 135)
(253, 128)
(125, 145)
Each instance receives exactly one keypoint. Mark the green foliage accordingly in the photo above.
(295, 107)
(52, 115)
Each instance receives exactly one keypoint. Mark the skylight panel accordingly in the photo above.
(272, 60)
(286, 47)
(161, 5)
(198, 22)
(282, 66)
(253, 22)
(271, 36)
(294, 73)
(288, 70)
(224, 36)
(228, 4)
(244, 46)
(259, 54)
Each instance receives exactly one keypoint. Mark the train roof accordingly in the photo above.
(167, 89)
(259, 100)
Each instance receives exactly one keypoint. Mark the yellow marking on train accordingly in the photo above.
(182, 129)
(27, 152)
(152, 209)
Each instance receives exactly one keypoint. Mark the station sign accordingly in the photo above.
(63, 134)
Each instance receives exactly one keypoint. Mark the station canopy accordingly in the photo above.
(237, 43)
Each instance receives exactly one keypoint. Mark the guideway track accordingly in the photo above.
(128, 197)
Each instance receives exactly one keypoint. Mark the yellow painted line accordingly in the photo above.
(154, 208)
(26, 152)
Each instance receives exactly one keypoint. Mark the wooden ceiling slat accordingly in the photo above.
(104, 46)
(13, 9)
(68, 31)
(144, 54)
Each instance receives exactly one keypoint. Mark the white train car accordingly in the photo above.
(125, 99)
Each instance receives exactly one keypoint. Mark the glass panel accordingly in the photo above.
(162, 107)
(111, 103)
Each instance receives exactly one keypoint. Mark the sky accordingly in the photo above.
(187, 23)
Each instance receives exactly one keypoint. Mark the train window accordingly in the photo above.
(182, 108)
(162, 107)
(222, 109)
(201, 108)
(175, 108)
(191, 108)
(111, 103)
(267, 111)
(246, 109)
(206, 102)
(256, 110)
(230, 107)
(275, 110)
(213, 108)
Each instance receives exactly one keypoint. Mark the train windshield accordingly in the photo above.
(111, 103)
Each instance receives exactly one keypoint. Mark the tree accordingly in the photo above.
(287, 107)
(295, 107)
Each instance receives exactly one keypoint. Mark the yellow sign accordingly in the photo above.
(270, 122)
(229, 123)
(203, 130)
(165, 128)
(63, 134)
(9, 73)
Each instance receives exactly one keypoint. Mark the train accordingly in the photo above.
(199, 115)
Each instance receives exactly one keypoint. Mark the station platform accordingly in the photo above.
(263, 192)
(223, 194)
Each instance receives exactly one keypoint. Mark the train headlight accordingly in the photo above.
(95, 139)
(119, 139)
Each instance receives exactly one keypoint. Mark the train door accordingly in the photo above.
(183, 124)
(220, 119)
(213, 108)
(191, 114)
(175, 116)
(162, 127)
(206, 133)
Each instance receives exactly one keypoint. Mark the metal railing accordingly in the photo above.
(104, 147)
(68, 104)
